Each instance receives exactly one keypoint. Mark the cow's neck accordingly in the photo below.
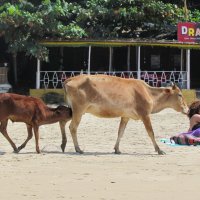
(160, 99)
(49, 116)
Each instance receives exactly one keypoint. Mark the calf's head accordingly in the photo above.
(63, 112)
(176, 99)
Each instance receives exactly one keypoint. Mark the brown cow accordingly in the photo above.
(109, 96)
(33, 112)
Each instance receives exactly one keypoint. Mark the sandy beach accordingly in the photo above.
(138, 173)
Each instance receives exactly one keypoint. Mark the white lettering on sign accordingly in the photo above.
(197, 32)
(184, 30)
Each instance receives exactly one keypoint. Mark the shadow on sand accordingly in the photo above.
(93, 153)
(2, 152)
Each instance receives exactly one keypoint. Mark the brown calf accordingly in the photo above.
(34, 113)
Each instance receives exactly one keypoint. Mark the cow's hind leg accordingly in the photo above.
(64, 137)
(122, 127)
(3, 130)
(73, 129)
(147, 123)
(30, 135)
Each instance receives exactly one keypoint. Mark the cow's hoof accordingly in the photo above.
(81, 152)
(38, 151)
(19, 148)
(16, 150)
(160, 152)
(117, 152)
(78, 150)
(63, 147)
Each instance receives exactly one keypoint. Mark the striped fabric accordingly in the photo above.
(188, 138)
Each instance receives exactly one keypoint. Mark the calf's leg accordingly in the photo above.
(147, 123)
(36, 132)
(122, 127)
(30, 135)
(64, 137)
(3, 130)
(76, 118)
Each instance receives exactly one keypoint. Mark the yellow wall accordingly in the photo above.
(189, 95)
(49, 95)
(40, 92)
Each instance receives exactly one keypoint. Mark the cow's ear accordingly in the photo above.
(173, 85)
(167, 90)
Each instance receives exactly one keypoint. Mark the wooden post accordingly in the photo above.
(185, 10)
(181, 59)
(89, 59)
(14, 55)
(110, 59)
(128, 58)
(38, 74)
(138, 63)
(188, 67)
(61, 58)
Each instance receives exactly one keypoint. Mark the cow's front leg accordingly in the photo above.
(147, 123)
(30, 135)
(36, 132)
(3, 130)
(73, 129)
(122, 127)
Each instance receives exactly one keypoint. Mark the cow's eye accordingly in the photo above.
(180, 95)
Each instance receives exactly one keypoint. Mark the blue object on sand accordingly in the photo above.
(172, 143)
(168, 142)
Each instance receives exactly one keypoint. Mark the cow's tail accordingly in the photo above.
(67, 98)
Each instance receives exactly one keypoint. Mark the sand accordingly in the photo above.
(138, 173)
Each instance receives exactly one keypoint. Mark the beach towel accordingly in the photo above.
(168, 142)
(187, 138)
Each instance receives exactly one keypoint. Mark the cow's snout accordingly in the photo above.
(185, 110)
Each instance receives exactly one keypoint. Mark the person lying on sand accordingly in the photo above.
(194, 115)
(192, 136)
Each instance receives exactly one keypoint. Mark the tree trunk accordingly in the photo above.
(14, 55)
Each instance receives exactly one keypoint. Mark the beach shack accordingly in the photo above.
(156, 62)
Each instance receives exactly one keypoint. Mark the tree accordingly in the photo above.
(23, 25)
(129, 18)
(191, 4)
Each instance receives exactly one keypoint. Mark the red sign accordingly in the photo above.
(188, 32)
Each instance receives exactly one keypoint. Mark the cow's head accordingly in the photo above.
(176, 99)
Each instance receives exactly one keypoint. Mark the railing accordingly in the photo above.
(55, 79)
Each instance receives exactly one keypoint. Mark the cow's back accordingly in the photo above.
(105, 96)
(19, 107)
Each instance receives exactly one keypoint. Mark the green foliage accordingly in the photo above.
(24, 23)
(195, 16)
(128, 18)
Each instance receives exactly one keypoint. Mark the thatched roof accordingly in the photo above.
(118, 43)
